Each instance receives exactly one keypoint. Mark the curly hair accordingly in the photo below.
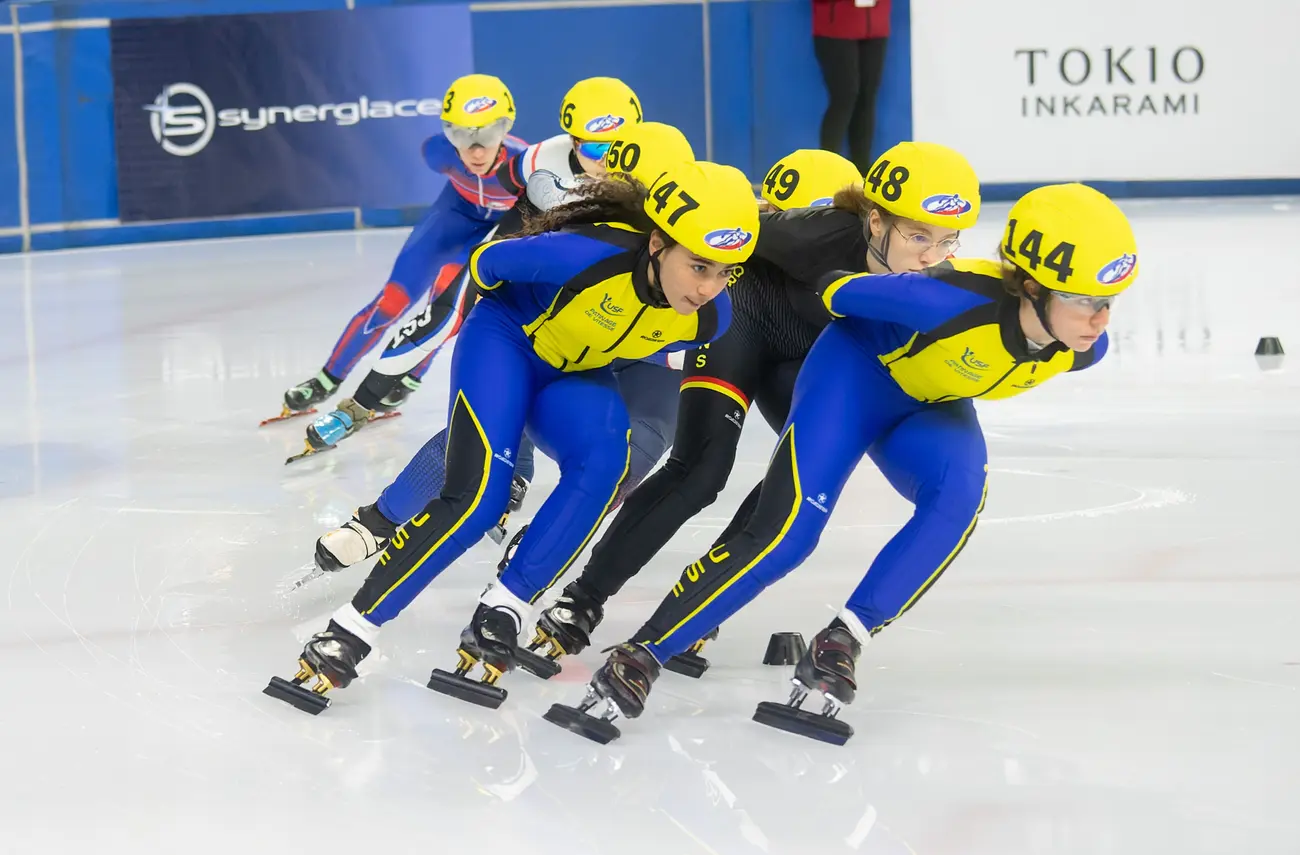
(617, 199)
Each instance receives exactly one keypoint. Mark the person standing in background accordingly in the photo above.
(849, 38)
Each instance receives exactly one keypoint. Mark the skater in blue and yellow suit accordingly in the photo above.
(622, 272)
(895, 376)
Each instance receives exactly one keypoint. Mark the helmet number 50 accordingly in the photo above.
(1031, 248)
(664, 195)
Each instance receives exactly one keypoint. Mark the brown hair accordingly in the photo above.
(854, 200)
(1013, 278)
(611, 199)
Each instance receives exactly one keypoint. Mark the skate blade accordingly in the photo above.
(573, 719)
(498, 535)
(803, 723)
(285, 415)
(381, 417)
(688, 664)
(538, 666)
(308, 452)
(465, 689)
(296, 696)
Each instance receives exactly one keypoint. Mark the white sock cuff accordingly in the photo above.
(855, 625)
(498, 596)
(351, 620)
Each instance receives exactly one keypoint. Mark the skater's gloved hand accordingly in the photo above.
(824, 283)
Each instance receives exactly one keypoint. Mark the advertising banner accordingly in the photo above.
(1121, 90)
(248, 114)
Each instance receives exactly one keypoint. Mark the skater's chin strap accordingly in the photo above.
(1039, 302)
(879, 254)
(657, 297)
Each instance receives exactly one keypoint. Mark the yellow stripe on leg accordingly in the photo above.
(785, 529)
(478, 497)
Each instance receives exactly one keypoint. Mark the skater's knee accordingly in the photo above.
(700, 479)
(393, 301)
(958, 496)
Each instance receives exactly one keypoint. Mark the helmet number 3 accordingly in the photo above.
(1031, 248)
(889, 187)
(663, 195)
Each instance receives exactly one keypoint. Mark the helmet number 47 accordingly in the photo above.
(665, 193)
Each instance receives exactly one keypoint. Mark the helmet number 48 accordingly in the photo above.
(1031, 247)
(893, 185)
(664, 195)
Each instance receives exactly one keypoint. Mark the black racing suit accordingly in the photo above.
(776, 317)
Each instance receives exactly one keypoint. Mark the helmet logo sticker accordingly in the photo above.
(728, 239)
(1118, 270)
(604, 124)
(480, 104)
(821, 203)
(945, 205)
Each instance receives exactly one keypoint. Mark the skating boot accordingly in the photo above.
(490, 640)
(828, 667)
(398, 394)
(302, 399)
(621, 684)
(691, 663)
(364, 536)
(331, 657)
(518, 490)
(564, 628)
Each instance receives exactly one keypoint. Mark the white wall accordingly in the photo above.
(1123, 90)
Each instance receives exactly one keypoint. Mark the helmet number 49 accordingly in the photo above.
(788, 179)
(893, 186)
(1031, 247)
(664, 194)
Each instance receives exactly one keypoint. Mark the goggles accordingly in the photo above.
(1084, 302)
(593, 150)
(489, 136)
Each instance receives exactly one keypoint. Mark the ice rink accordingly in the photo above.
(1112, 666)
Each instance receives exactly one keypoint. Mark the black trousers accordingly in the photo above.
(852, 69)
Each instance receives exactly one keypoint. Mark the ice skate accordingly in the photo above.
(564, 629)
(518, 490)
(691, 663)
(302, 399)
(489, 640)
(398, 394)
(829, 668)
(621, 685)
(364, 536)
(328, 430)
(331, 657)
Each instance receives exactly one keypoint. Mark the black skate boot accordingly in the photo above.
(828, 667)
(564, 628)
(490, 639)
(302, 399)
(621, 684)
(331, 657)
(398, 394)
(518, 490)
(364, 536)
(691, 663)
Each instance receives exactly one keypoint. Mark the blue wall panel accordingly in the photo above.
(731, 42)
(540, 54)
(9, 216)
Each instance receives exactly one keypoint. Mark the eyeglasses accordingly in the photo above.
(921, 243)
(1084, 302)
(593, 150)
(489, 136)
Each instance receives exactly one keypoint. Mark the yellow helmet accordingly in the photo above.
(808, 178)
(1072, 238)
(642, 150)
(707, 208)
(477, 100)
(598, 107)
(926, 182)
